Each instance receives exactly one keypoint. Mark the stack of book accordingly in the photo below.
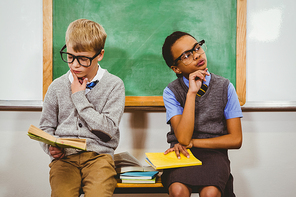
(130, 170)
(139, 177)
(125, 162)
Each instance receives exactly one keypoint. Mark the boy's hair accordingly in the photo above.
(85, 35)
(167, 46)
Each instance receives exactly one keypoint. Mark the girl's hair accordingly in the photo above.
(85, 35)
(167, 46)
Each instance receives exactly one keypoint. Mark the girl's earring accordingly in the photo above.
(176, 69)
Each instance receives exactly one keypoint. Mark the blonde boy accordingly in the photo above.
(86, 102)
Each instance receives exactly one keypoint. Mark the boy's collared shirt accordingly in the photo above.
(173, 107)
(98, 77)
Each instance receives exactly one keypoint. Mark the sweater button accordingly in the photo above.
(80, 125)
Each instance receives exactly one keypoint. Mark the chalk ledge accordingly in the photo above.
(250, 106)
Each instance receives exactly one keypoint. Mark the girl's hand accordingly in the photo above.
(78, 84)
(195, 80)
(56, 152)
(179, 148)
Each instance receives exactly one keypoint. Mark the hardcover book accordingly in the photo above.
(139, 175)
(161, 161)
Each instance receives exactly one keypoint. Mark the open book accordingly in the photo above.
(125, 162)
(39, 135)
(170, 160)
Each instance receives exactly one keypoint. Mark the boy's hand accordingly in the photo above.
(78, 84)
(56, 152)
(179, 148)
(196, 78)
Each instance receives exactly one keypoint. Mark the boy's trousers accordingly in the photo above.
(89, 172)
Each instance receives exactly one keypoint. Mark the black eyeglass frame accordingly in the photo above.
(191, 50)
(76, 57)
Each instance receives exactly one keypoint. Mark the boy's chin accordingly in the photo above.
(80, 76)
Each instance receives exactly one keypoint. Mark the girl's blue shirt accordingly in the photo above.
(173, 107)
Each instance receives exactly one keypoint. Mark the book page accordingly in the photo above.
(75, 143)
(125, 159)
(38, 132)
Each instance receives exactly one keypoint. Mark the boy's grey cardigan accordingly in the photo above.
(94, 116)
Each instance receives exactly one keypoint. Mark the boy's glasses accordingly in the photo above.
(82, 60)
(187, 56)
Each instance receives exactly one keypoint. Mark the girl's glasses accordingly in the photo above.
(187, 56)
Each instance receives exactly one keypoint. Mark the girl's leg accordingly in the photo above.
(179, 190)
(210, 191)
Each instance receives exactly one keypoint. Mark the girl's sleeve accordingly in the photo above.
(233, 108)
(172, 106)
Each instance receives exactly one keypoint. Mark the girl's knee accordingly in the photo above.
(179, 190)
(210, 191)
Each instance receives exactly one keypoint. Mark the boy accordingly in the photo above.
(86, 102)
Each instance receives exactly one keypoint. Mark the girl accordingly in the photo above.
(204, 113)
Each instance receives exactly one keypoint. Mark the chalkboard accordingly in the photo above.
(136, 31)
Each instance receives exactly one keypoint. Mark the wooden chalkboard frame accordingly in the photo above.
(150, 101)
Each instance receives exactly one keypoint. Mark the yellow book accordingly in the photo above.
(161, 161)
(39, 135)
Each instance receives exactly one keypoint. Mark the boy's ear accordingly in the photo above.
(176, 69)
(100, 57)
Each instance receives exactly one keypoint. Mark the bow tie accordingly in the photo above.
(202, 90)
(92, 84)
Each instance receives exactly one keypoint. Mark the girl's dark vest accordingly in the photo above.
(209, 108)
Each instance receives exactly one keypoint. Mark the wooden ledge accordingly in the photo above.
(140, 185)
(144, 101)
(133, 188)
(36, 105)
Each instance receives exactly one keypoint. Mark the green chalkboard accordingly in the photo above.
(136, 30)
